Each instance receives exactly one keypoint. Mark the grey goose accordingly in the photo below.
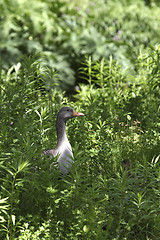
(63, 149)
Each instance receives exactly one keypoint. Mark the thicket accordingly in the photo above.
(110, 49)
(97, 200)
(66, 31)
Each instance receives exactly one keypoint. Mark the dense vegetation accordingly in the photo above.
(112, 53)
(66, 31)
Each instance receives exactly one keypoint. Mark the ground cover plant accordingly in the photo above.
(100, 199)
(108, 53)
(66, 31)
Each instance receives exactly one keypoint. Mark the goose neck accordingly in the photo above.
(61, 131)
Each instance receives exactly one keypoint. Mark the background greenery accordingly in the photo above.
(66, 31)
(108, 52)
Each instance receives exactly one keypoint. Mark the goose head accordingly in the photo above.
(67, 112)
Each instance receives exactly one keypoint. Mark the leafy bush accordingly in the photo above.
(99, 199)
(66, 31)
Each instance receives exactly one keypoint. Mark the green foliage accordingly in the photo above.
(99, 199)
(66, 31)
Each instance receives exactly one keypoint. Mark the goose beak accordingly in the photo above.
(77, 114)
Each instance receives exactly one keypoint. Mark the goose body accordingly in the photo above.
(63, 149)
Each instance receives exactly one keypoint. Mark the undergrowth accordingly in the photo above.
(100, 199)
(66, 31)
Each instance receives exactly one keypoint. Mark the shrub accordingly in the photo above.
(99, 199)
